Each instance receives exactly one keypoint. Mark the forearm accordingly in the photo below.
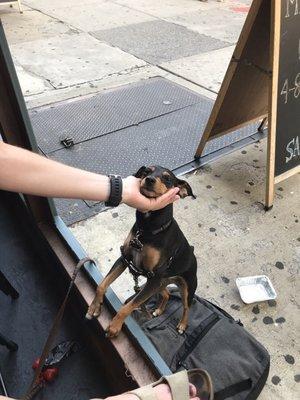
(29, 173)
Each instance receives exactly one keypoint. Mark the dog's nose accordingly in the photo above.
(150, 180)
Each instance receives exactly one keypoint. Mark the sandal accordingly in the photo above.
(179, 386)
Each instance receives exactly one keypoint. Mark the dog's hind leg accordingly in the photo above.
(192, 286)
(117, 269)
(183, 288)
(183, 323)
(162, 305)
(190, 277)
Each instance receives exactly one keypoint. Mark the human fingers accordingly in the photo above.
(133, 197)
(192, 390)
(162, 201)
(163, 392)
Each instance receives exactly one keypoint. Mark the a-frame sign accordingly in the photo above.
(263, 82)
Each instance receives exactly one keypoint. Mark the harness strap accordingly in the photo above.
(138, 246)
(135, 271)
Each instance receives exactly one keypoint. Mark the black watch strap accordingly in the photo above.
(116, 187)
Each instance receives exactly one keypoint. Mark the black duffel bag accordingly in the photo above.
(237, 362)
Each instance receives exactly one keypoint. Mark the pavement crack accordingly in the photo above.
(123, 72)
(35, 75)
(139, 11)
(185, 78)
(71, 27)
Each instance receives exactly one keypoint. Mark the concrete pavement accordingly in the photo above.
(56, 45)
(71, 48)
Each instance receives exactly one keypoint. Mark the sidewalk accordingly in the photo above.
(68, 49)
(185, 40)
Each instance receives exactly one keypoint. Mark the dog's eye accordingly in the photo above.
(167, 179)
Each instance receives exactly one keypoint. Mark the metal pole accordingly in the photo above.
(3, 385)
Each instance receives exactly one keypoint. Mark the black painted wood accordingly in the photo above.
(27, 320)
(288, 107)
(7, 288)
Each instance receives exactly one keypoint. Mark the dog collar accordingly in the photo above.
(162, 228)
(137, 244)
(155, 221)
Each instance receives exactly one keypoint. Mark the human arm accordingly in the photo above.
(29, 173)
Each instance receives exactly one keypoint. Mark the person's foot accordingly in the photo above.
(162, 393)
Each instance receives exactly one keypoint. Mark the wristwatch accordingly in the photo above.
(116, 187)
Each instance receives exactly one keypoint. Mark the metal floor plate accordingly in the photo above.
(170, 140)
(167, 138)
(92, 116)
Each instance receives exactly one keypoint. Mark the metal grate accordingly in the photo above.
(93, 116)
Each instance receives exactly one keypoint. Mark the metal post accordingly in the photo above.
(3, 385)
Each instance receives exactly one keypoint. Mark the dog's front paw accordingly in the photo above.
(181, 328)
(113, 329)
(157, 312)
(94, 309)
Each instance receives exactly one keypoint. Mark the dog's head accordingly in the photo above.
(156, 180)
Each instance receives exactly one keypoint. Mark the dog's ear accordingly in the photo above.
(142, 172)
(185, 189)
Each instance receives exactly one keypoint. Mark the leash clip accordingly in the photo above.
(136, 243)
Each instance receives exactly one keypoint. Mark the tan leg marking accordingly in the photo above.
(117, 322)
(95, 307)
(162, 306)
(182, 285)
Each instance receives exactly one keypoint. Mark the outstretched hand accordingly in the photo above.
(134, 198)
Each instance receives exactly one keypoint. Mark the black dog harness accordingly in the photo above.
(138, 245)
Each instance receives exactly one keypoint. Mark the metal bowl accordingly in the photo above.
(255, 288)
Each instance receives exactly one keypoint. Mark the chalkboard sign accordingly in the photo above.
(287, 144)
(244, 94)
(262, 82)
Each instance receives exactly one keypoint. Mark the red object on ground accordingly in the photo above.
(49, 374)
(36, 363)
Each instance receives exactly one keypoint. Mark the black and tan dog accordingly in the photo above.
(157, 249)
